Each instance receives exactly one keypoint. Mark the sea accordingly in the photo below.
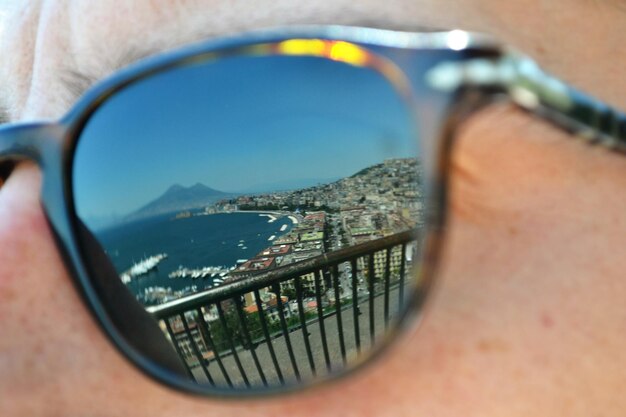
(216, 240)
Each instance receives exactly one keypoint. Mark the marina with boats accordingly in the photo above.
(175, 247)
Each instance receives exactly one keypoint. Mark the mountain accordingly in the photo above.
(178, 198)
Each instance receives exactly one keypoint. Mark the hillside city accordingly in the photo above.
(378, 201)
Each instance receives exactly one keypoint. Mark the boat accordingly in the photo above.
(204, 272)
(143, 267)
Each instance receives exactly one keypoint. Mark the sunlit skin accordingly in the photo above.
(528, 316)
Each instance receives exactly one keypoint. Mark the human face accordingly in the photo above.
(515, 303)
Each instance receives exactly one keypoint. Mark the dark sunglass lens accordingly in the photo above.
(259, 214)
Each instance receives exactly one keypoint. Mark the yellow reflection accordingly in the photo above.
(335, 50)
(348, 53)
(313, 47)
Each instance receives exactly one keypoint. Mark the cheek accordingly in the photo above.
(504, 163)
(530, 296)
(539, 199)
(507, 162)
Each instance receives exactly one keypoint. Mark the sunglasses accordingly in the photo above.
(262, 213)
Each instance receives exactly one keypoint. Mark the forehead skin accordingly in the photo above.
(47, 40)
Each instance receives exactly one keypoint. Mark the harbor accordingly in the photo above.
(188, 254)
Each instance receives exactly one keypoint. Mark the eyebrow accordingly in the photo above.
(76, 82)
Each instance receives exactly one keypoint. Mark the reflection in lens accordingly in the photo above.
(263, 209)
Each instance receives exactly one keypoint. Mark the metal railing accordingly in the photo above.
(293, 322)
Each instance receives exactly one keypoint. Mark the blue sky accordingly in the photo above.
(236, 124)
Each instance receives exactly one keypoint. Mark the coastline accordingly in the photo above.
(273, 215)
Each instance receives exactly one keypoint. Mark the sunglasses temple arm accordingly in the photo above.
(538, 92)
(584, 116)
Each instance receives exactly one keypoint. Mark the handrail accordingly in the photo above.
(279, 274)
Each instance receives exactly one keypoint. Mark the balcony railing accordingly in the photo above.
(294, 322)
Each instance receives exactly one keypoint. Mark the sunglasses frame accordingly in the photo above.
(511, 77)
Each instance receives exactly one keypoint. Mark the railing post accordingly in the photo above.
(355, 305)
(386, 296)
(401, 288)
(283, 325)
(244, 328)
(233, 349)
(342, 344)
(206, 333)
(195, 349)
(320, 315)
(305, 331)
(174, 339)
(370, 289)
(266, 333)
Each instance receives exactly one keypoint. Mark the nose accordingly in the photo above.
(31, 285)
(49, 346)
(20, 210)
(23, 228)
